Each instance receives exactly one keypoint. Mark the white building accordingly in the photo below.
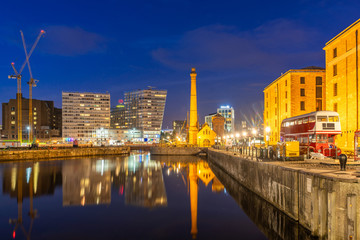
(85, 116)
(228, 113)
(144, 111)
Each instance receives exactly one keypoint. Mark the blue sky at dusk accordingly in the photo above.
(237, 47)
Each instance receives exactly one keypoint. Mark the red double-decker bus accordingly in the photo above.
(315, 130)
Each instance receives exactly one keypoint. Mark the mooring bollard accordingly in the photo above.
(342, 159)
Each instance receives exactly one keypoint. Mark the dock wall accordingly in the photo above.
(326, 206)
(8, 155)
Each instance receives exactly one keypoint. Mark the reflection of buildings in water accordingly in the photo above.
(28, 181)
(217, 186)
(86, 182)
(45, 179)
(196, 169)
(144, 184)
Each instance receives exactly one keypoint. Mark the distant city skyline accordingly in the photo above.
(238, 48)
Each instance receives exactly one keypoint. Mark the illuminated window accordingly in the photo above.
(302, 105)
(302, 92)
(35, 118)
(334, 52)
(12, 113)
(335, 70)
(302, 80)
(34, 109)
(12, 122)
(35, 113)
(335, 89)
(35, 123)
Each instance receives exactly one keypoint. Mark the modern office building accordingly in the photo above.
(208, 119)
(342, 82)
(296, 92)
(45, 119)
(228, 113)
(117, 117)
(144, 111)
(86, 116)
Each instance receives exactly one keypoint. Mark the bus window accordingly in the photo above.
(296, 122)
(283, 124)
(311, 119)
(300, 121)
(312, 138)
(322, 119)
(333, 118)
(287, 124)
(305, 120)
(331, 139)
(292, 123)
(321, 138)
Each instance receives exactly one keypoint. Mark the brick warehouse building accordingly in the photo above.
(296, 92)
(46, 119)
(342, 82)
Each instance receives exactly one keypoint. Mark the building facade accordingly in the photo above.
(208, 119)
(342, 82)
(228, 113)
(218, 123)
(86, 116)
(45, 119)
(117, 117)
(144, 111)
(296, 92)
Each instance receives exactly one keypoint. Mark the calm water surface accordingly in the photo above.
(133, 197)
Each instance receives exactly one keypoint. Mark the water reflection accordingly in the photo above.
(138, 180)
(86, 182)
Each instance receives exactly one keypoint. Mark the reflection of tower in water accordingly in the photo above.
(202, 171)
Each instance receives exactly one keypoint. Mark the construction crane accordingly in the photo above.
(32, 83)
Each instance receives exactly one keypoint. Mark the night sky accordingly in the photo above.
(237, 47)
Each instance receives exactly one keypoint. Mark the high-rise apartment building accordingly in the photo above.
(45, 119)
(85, 116)
(296, 92)
(228, 113)
(144, 110)
(342, 82)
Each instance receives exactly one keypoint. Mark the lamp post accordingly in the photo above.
(267, 130)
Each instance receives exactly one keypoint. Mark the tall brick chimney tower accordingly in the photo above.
(193, 128)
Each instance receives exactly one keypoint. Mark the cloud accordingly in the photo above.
(272, 45)
(72, 41)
